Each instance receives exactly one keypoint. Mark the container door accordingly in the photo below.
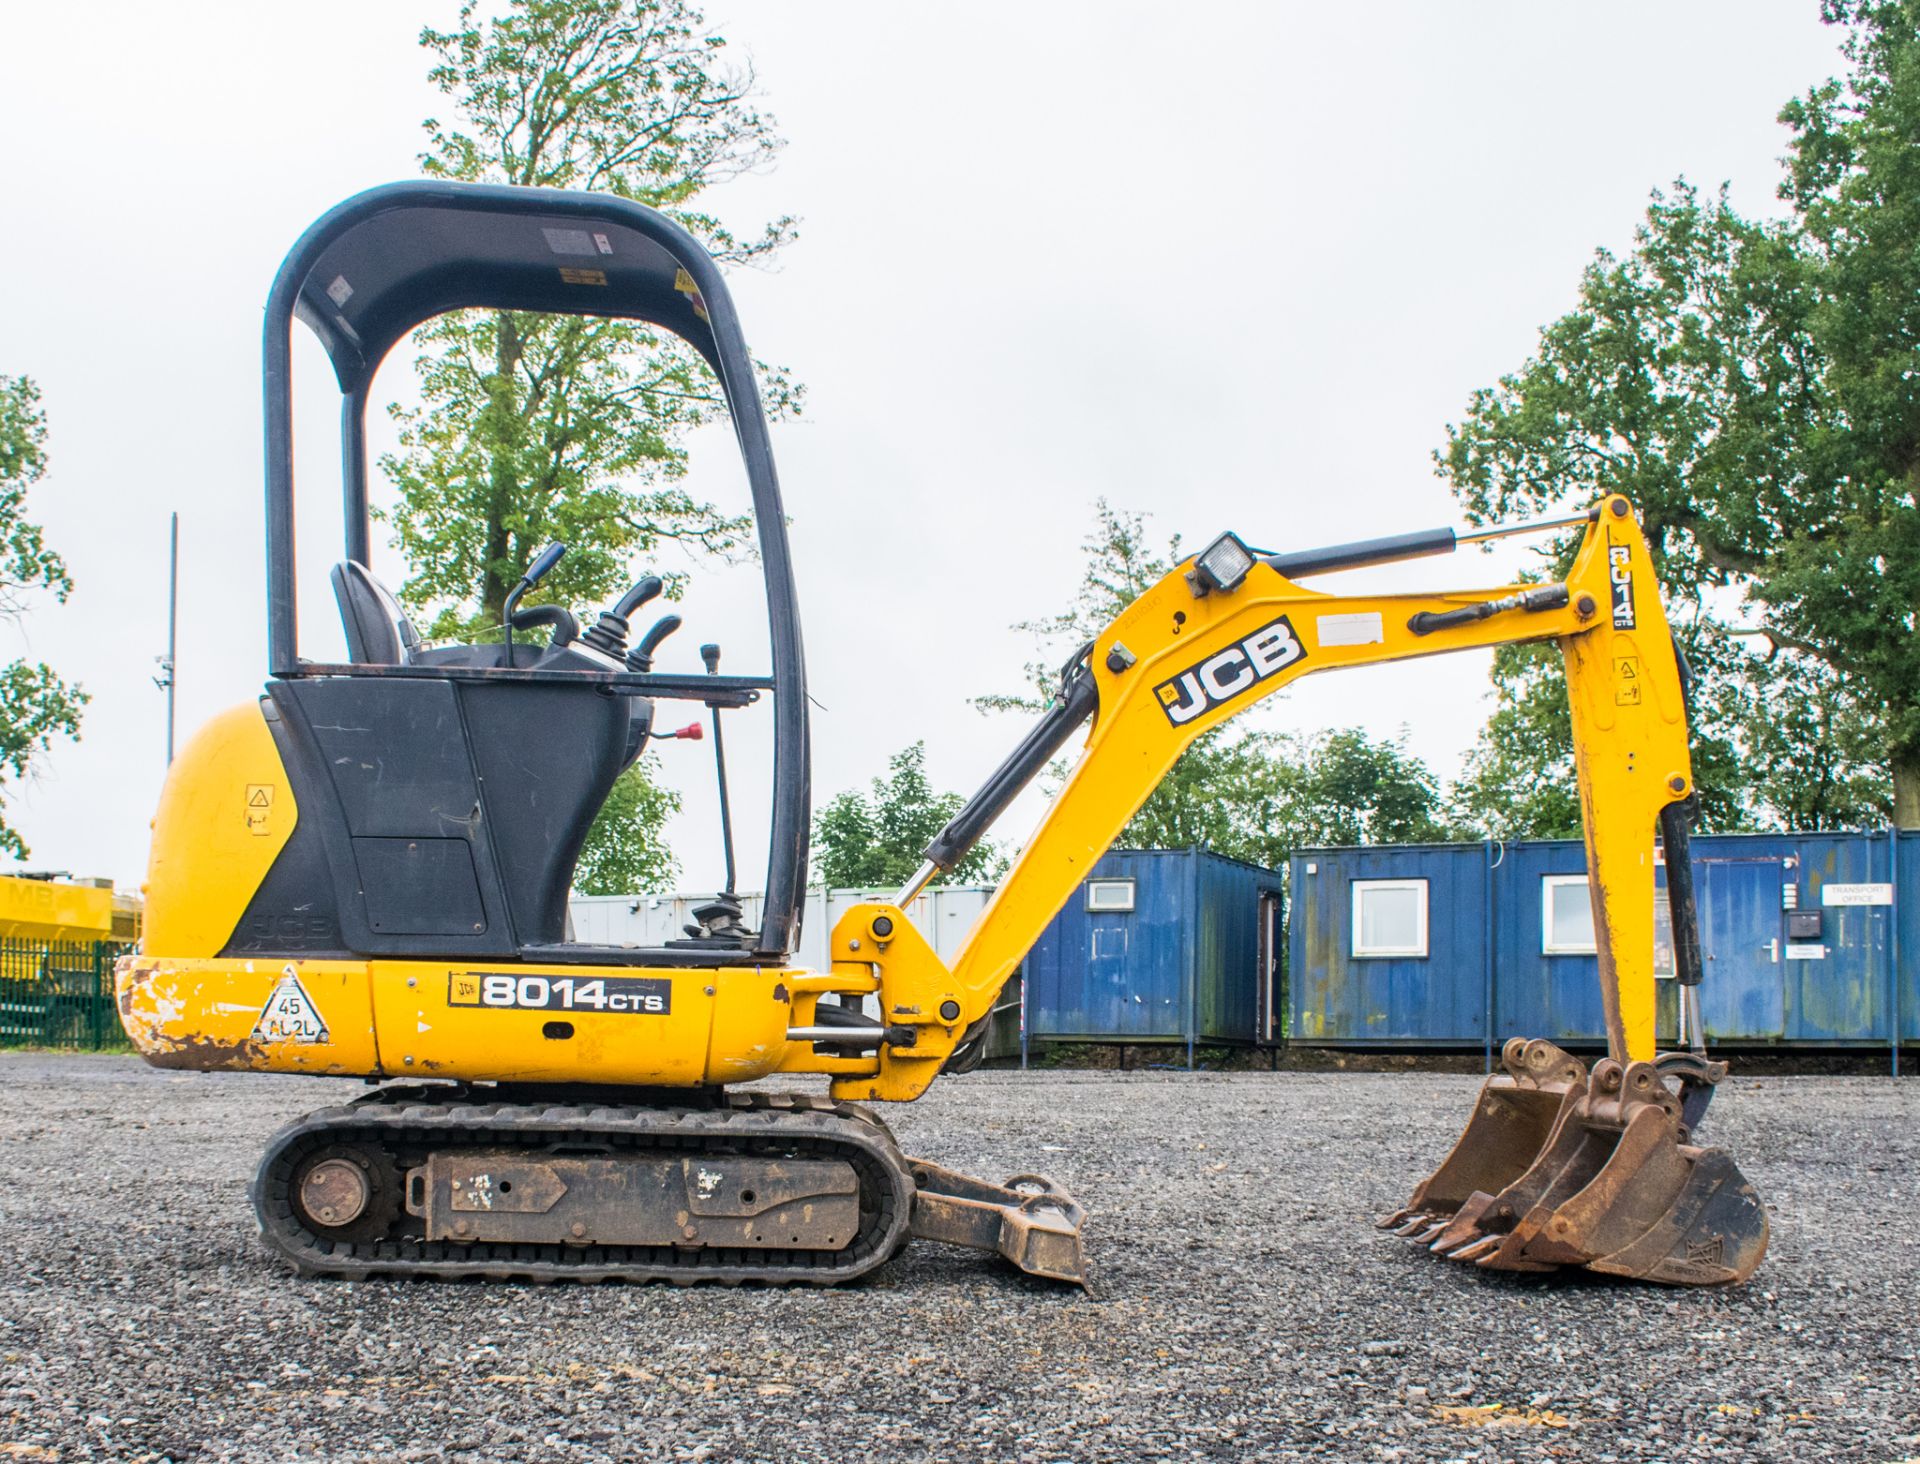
(1743, 940)
(1117, 984)
(1273, 995)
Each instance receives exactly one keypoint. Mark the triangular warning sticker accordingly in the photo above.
(290, 1015)
(259, 797)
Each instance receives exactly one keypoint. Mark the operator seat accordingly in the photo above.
(378, 631)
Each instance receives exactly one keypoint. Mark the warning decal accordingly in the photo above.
(683, 282)
(1626, 681)
(259, 807)
(290, 1015)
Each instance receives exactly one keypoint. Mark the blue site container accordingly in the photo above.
(1403, 1000)
(1494, 954)
(1162, 946)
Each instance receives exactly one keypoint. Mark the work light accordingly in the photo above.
(1221, 565)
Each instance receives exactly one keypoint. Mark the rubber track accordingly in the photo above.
(794, 1125)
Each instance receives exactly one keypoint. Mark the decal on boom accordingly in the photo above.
(1230, 673)
(1620, 573)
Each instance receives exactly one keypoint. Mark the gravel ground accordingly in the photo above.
(1246, 1309)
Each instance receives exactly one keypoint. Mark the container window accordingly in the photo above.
(1390, 917)
(1566, 916)
(1110, 896)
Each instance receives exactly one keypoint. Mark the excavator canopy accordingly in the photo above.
(379, 264)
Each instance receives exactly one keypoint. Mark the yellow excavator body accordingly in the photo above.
(363, 874)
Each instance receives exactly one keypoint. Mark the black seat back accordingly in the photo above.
(378, 631)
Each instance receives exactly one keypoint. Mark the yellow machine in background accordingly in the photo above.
(58, 909)
(365, 874)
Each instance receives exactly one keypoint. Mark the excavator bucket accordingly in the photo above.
(1515, 1114)
(1617, 1186)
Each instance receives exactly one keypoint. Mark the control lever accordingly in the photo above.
(640, 658)
(541, 567)
(609, 633)
(710, 654)
(565, 628)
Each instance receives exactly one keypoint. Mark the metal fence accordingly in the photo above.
(58, 994)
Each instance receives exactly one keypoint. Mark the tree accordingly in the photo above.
(1845, 588)
(877, 840)
(626, 851)
(1264, 794)
(35, 705)
(533, 428)
(1751, 386)
(1120, 566)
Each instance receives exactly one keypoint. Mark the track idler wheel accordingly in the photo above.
(347, 1192)
(1617, 1188)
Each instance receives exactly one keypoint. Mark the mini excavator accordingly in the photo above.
(364, 872)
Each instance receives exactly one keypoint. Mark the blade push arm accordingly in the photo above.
(1178, 663)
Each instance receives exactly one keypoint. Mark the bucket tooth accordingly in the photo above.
(1473, 1250)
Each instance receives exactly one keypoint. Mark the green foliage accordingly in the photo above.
(35, 705)
(1754, 387)
(626, 852)
(1355, 790)
(1259, 794)
(533, 428)
(877, 840)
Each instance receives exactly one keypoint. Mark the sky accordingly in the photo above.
(1232, 265)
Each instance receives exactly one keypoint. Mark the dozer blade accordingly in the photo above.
(1513, 1118)
(1030, 1220)
(1618, 1189)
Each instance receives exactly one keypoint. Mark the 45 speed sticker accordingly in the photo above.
(644, 996)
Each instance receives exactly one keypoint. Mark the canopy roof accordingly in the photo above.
(391, 258)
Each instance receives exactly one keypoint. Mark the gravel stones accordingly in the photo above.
(1246, 1307)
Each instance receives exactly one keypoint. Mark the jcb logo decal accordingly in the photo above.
(1620, 572)
(1229, 673)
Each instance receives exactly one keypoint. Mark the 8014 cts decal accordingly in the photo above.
(1620, 575)
(645, 996)
(1226, 674)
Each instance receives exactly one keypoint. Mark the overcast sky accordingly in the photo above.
(1233, 265)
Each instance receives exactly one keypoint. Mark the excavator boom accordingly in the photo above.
(1558, 1167)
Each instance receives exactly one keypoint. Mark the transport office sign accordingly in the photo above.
(1856, 894)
